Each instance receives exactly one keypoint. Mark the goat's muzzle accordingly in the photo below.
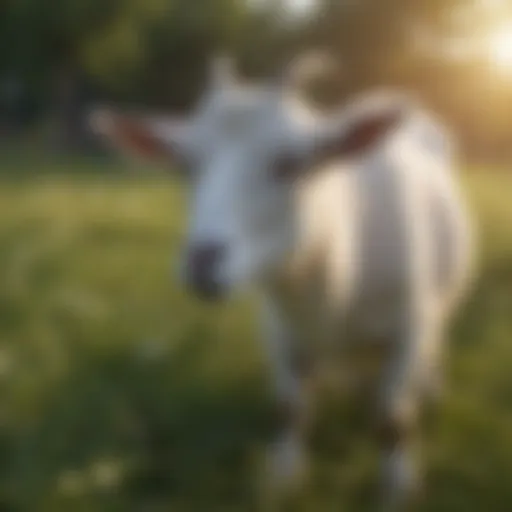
(202, 275)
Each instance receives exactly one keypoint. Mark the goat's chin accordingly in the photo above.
(252, 268)
(247, 280)
(236, 285)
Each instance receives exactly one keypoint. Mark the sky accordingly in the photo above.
(301, 5)
(298, 6)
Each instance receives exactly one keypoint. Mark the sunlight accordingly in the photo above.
(301, 5)
(500, 48)
(296, 7)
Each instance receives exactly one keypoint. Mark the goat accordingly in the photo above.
(351, 228)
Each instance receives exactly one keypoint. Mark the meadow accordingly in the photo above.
(120, 393)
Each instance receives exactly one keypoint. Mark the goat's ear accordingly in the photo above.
(137, 137)
(356, 136)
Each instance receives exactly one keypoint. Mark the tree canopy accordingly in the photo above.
(154, 51)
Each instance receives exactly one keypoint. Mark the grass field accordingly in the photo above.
(119, 393)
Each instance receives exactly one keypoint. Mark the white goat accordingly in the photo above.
(350, 226)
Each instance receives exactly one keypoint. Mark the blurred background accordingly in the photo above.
(118, 392)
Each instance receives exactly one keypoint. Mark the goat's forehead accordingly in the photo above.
(234, 109)
(246, 119)
(240, 96)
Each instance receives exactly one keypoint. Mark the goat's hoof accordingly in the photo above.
(403, 490)
(434, 392)
(407, 503)
(286, 468)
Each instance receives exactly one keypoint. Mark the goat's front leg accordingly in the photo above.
(290, 369)
(400, 404)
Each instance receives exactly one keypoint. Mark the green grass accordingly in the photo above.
(120, 393)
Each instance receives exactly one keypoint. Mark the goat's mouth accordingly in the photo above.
(210, 295)
(207, 289)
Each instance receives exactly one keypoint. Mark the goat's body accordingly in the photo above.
(373, 234)
(383, 255)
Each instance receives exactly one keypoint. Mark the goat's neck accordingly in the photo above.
(305, 286)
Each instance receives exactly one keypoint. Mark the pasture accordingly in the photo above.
(120, 393)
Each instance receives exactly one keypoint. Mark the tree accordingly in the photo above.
(150, 50)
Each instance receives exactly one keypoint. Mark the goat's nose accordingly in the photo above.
(203, 264)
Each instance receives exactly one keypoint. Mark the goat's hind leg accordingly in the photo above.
(399, 414)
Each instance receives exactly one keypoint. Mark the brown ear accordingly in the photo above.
(362, 134)
(136, 137)
(368, 132)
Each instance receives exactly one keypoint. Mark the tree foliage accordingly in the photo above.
(154, 51)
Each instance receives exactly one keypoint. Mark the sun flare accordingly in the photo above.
(500, 48)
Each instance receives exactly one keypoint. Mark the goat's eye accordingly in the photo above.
(285, 167)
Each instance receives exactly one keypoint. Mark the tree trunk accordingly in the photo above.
(70, 134)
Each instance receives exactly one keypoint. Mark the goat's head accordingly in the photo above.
(241, 150)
